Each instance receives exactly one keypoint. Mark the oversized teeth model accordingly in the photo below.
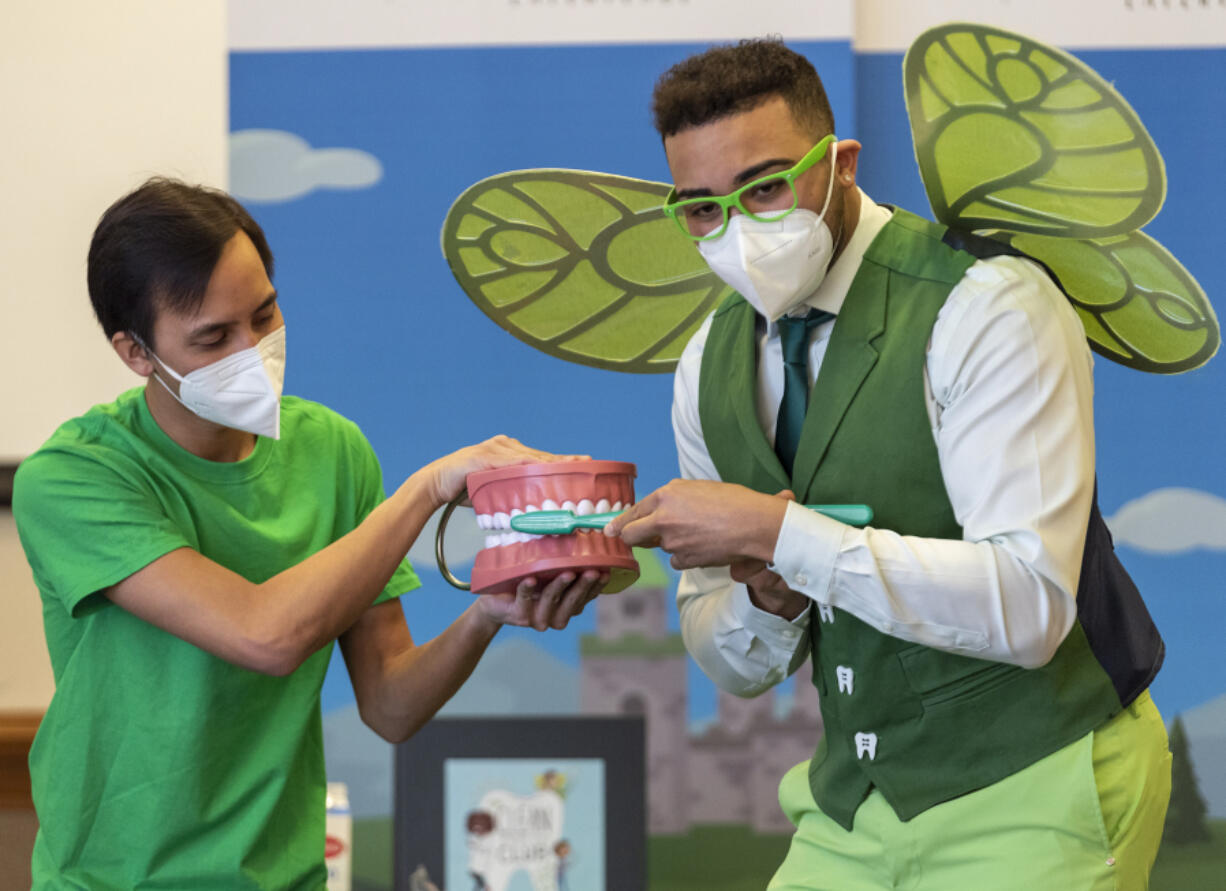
(582, 487)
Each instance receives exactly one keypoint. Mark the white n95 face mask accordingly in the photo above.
(774, 265)
(242, 391)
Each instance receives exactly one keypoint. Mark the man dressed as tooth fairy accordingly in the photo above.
(983, 660)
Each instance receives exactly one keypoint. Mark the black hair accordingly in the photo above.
(156, 248)
(727, 80)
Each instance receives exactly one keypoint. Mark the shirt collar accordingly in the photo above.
(834, 287)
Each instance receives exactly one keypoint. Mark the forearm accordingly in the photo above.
(416, 681)
(399, 685)
(304, 607)
(978, 599)
(272, 626)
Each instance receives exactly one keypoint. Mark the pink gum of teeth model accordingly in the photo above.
(510, 557)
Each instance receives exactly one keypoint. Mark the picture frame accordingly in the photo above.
(441, 771)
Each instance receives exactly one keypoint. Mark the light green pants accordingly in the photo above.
(1086, 817)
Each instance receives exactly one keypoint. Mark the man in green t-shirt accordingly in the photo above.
(199, 544)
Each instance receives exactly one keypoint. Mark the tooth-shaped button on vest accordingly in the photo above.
(866, 744)
(846, 678)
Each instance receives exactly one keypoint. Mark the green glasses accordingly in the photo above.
(771, 197)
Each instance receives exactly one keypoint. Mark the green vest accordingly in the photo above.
(921, 725)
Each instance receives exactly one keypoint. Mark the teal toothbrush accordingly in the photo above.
(564, 522)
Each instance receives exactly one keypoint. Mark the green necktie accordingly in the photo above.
(794, 336)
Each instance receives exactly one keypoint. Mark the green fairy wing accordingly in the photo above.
(1027, 142)
(1137, 303)
(1013, 134)
(583, 266)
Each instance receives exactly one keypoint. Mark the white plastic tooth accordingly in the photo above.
(502, 520)
(602, 506)
(485, 521)
(491, 541)
(508, 537)
(515, 511)
(531, 509)
(585, 507)
(617, 505)
(549, 504)
(568, 505)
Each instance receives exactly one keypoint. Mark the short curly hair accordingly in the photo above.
(727, 80)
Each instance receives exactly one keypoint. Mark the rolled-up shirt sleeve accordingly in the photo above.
(1011, 402)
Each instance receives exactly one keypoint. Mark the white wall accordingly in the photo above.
(94, 98)
(891, 26)
(315, 24)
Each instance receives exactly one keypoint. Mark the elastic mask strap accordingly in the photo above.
(158, 377)
(834, 150)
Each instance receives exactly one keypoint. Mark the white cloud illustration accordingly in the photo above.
(1171, 521)
(275, 165)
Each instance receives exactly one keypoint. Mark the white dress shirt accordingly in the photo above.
(1009, 392)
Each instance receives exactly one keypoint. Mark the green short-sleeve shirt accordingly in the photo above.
(159, 765)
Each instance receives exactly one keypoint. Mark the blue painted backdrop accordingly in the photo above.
(379, 330)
